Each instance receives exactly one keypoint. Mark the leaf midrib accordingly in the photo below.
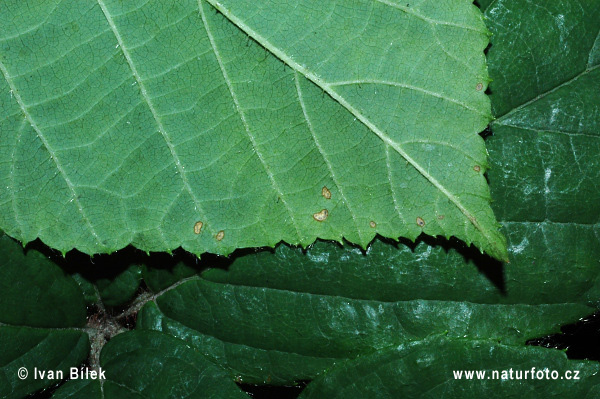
(517, 108)
(328, 88)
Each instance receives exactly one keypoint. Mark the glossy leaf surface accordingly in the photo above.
(427, 369)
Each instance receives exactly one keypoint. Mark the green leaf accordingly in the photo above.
(35, 292)
(120, 289)
(148, 364)
(426, 369)
(114, 289)
(293, 330)
(171, 124)
(45, 350)
(111, 280)
(41, 314)
(544, 151)
(163, 271)
(428, 270)
(547, 47)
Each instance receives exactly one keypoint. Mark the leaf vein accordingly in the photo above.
(155, 115)
(391, 181)
(406, 86)
(51, 152)
(544, 94)
(13, 185)
(245, 122)
(424, 18)
(489, 235)
(572, 134)
(323, 154)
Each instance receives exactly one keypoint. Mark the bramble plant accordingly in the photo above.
(201, 198)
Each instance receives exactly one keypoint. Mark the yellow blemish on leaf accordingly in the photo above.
(220, 235)
(372, 224)
(321, 216)
(326, 193)
(420, 221)
(198, 227)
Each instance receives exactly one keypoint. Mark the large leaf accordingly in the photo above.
(428, 369)
(167, 124)
(281, 317)
(428, 270)
(42, 313)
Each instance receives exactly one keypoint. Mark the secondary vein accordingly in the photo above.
(155, 115)
(342, 101)
(406, 86)
(323, 154)
(245, 122)
(51, 151)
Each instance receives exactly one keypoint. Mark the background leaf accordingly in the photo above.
(110, 289)
(546, 141)
(147, 364)
(425, 369)
(42, 313)
(283, 317)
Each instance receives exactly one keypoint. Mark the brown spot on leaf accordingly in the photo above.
(441, 217)
(321, 216)
(220, 235)
(479, 86)
(420, 221)
(477, 168)
(372, 224)
(198, 227)
(326, 193)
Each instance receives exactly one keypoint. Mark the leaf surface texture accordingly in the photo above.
(215, 125)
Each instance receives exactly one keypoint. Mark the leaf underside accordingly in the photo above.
(278, 317)
(214, 126)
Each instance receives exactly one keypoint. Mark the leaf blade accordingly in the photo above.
(274, 192)
(295, 334)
